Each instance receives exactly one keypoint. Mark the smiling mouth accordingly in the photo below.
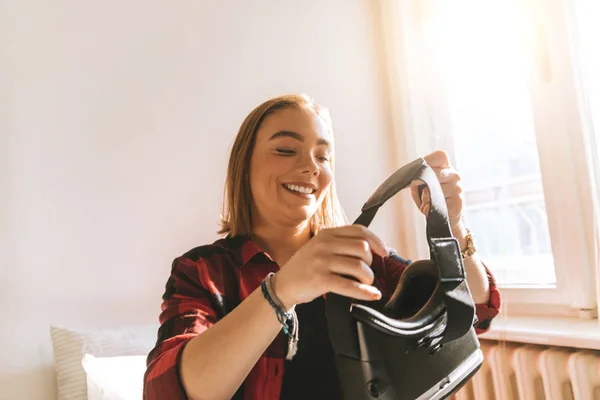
(299, 190)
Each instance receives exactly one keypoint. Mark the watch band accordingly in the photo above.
(470, 249)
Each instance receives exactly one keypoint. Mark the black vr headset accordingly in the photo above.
(421, 344)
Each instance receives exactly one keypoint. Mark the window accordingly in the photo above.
(502, 87)
(491, 133)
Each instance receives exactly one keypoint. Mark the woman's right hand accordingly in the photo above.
(327, 263)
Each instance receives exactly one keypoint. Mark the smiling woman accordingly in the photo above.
(231, 310)
(299, 138)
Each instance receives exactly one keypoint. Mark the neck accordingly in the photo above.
(281, 242)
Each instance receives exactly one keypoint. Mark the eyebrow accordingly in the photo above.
(296, 136)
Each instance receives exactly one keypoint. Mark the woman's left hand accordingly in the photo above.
(451, 187)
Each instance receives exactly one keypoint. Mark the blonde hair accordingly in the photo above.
(236, 218)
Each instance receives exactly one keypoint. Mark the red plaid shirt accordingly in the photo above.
(209, 281)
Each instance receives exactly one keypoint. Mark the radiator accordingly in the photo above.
(530, 372)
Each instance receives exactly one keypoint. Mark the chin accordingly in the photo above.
(301, 216)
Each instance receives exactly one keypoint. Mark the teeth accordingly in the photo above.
(300, 189)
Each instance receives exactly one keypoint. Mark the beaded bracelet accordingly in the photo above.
(288, 319)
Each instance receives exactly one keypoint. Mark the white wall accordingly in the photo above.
(116, 119)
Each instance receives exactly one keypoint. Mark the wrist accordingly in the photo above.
(460, 233)
(281, 293)
(465, 240)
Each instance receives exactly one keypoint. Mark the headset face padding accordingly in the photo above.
(415, 288)
(416, 305)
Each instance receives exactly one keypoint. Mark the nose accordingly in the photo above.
(309, 165)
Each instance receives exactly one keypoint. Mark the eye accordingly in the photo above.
(324, 158)
(286, 152)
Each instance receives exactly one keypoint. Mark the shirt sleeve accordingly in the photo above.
(486, 312)
(186, 313)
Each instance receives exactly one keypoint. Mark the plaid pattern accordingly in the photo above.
(209, 281)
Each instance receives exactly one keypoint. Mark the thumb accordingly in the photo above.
(425, 202)
(415, 188)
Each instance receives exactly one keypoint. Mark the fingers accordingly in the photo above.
(353, 267)
(450, 190)
(348, 263)
(438, 159)
(414, 191)
(447, 175)
(363, 233)
(452, 195)
(449, 181)
(444, 175)
(349, 288)
(352, 247)
(425, 201)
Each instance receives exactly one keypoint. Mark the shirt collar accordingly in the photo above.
(242, 248)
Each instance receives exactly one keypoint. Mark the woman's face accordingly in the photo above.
(290, 171)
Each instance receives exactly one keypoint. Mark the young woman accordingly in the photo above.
(220, 334)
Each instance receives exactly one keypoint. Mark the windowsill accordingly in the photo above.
(551, 331)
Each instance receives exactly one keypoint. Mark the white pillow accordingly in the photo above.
(69, 346)
(114, 378)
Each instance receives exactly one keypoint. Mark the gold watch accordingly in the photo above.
(470, 249)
